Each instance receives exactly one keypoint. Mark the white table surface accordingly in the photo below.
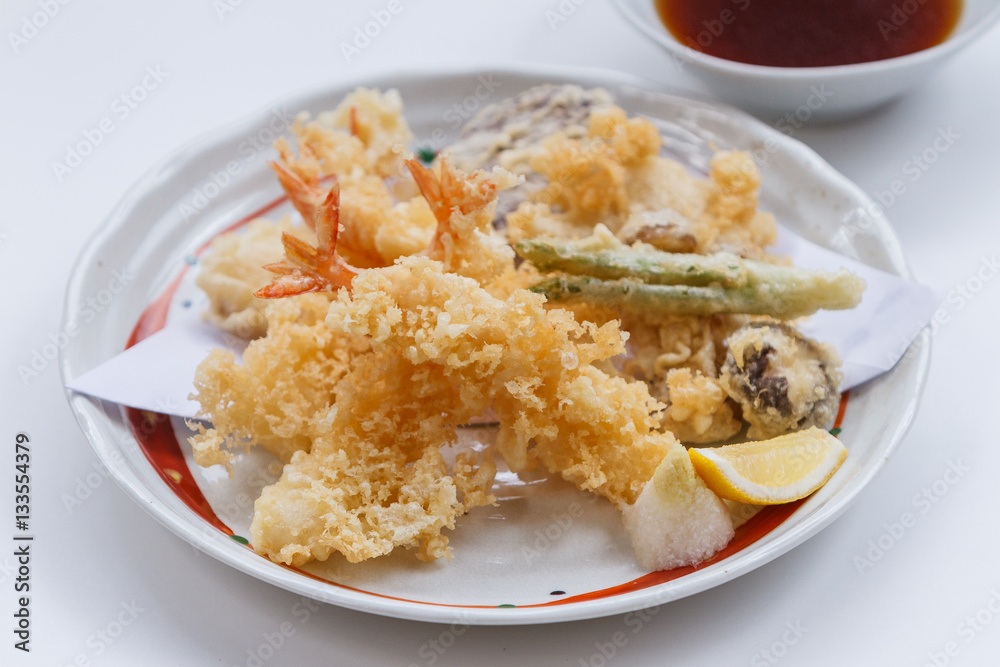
(107, 561)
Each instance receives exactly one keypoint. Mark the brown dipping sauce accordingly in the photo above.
(809, 33)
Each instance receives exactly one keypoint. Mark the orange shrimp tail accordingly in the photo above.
(305, 196)
(309, 269)
(353, 124)
(450, 193)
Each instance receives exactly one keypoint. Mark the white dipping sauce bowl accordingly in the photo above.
(817, 93)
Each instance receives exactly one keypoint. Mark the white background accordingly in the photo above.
(107, 555)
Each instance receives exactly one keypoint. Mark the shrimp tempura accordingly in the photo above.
(444, 350)
(535, 364)
(374, 478)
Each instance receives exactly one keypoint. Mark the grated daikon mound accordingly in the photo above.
(677, 520)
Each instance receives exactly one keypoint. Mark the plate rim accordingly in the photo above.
(88, 412)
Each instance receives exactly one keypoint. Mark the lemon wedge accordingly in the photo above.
(770, 472)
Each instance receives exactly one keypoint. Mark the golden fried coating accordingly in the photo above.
(784, 381)
(368, 475)
(698, 409)
(363, 140)
(450, 221)
(377, 228)
(615, 177)
(359, 390)
(534, 364)
(232, 269)
(374, 478)
(365, 475)
(377, 120)
(359, 502)
(587, 179)
(279, 395)
(678, 341)
(363, 143)
(463, 206)
(731, 207)
(679, 356)
(366, 131)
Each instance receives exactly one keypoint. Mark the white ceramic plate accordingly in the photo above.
(547, 553)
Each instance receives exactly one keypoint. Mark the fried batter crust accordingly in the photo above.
(444, 350)
(278, 395)
(614, 176)
(534, 364)
(375, 478)
(232, 270)
(359, 391)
